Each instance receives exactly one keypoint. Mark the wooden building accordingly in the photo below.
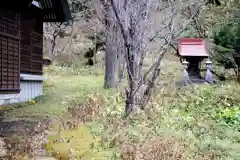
(21, 45)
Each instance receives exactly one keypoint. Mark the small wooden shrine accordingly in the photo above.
(192, 52)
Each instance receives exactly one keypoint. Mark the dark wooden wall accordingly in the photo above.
(31, 52)
(21, 48)
(9, 51)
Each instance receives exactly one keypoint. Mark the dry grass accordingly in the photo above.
(158, 148)
(86, 111)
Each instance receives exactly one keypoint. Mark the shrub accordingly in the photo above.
(227, 39)
(230, 117)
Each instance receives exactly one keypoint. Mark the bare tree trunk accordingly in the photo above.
(110, 54)
(110, 66)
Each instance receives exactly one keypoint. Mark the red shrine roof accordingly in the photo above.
(192, 47)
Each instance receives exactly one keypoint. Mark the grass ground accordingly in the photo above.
(197, 123)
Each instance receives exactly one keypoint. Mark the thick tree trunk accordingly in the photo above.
(110, 51)
(110, 67)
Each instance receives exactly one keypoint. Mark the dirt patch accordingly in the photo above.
(20, 139)
(85, 111)
(10, 128)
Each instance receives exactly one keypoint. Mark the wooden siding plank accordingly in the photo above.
(31, 46)
(9, 48)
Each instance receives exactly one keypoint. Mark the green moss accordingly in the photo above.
(76, 144)
(78, 140)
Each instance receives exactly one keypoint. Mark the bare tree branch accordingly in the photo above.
(132, 19)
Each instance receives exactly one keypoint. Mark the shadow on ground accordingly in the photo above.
(14, 132)
(19, 127)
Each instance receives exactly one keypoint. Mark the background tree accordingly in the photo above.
(75, 40)
(110, 80)
(226, 37)
(132, 19)
(226, 49)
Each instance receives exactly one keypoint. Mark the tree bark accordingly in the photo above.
(110, 80)
(110, 66)
(121, 67)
